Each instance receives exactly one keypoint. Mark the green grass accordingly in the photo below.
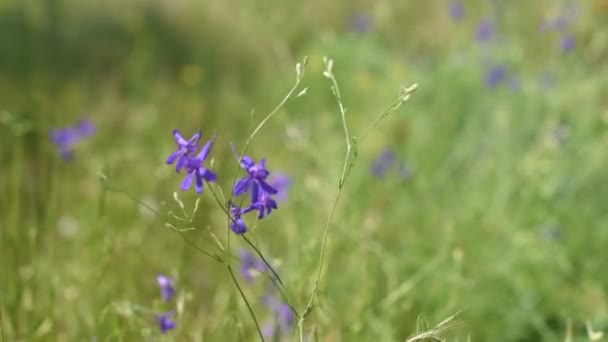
(500, 223)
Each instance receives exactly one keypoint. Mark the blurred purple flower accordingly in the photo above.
(360, 22)
(456, 10)
(281, 182)
(494, 76)
(250, 264)
(66, 138)
(194, 168)
(256, 178)
(165, 322)
(185, 149)
(384, 161)
(284, 317)
(167, 291)
(236, 222)
(485, 31)
(567, 43)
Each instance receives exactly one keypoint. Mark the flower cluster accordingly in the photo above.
(561, 24)
(193, 165)
(256, 184)
(66, 138)
(385, 161)
(167, 292)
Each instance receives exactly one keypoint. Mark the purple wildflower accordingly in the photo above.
(236, 222)
(165, 321)
(283, 316)
(185, 149)
(256, 178)
(360, 22)
(485, 31)
(567, 43)
(194, 168)
(167, 291)
(66, 138)
(281, 182)
(456, 10)
(263, 205)
(383, 162)
(250, 264)
(494, 76)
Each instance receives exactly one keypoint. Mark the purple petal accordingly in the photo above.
(255, 190)
(195, 138)
(180, 163)
(205, 151)
(241, 186)
(199, 183)
(172, 157)
(187, 182)
(178, 138)
(266, 187)
(85, 128)
(238, 226)
(207, 174)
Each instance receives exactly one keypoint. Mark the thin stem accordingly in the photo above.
(236, 283)
(346, 167)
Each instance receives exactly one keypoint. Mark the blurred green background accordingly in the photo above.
(495, 205)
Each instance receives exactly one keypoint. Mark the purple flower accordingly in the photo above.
(360, 22)
(194, 168)
(66, 138)
(167, 291)
(255, 179)
(263, 205)
(456, 10)
(250, 263)
(494, 76)
(165, 322)
(236, 222)
(485, 31)
(567, 43)
(185, 149)
(283, 316)
(383, 162)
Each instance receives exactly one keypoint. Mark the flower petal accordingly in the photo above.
(266, 187)
(173, 156)
(178, 138)
(180, 163)
(241, 186)
(187, 182)
(207, 174)
(206, 149)
(195, 138)
(255, 193)
(199, 183)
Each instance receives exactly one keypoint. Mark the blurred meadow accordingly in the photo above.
(481, 201)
